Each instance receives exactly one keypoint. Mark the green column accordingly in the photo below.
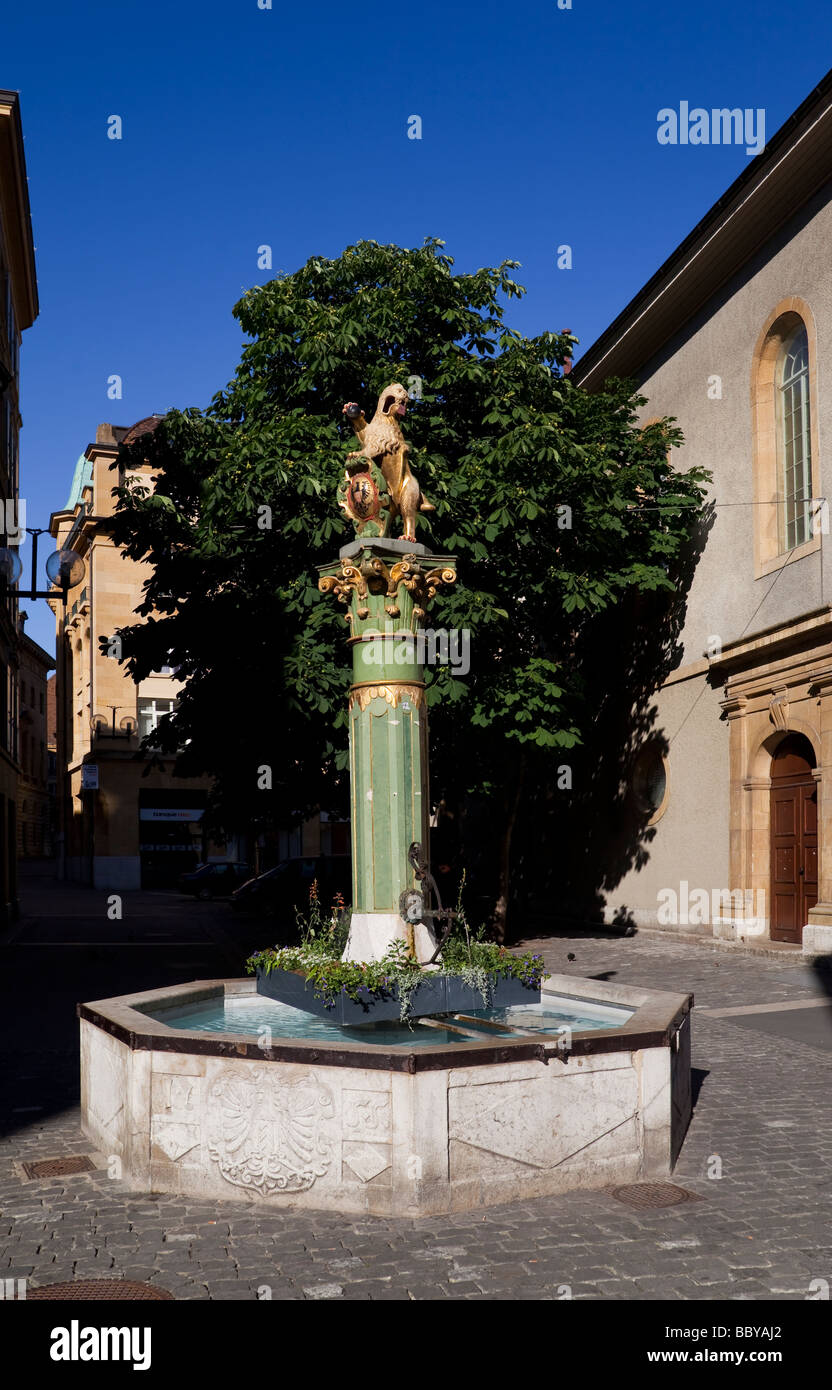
(386, 587)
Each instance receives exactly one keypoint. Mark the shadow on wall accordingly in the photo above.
(580, 843)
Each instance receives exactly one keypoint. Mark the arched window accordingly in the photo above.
(784, 437)
(794, 443)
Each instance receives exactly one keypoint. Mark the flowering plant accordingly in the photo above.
(465, 955)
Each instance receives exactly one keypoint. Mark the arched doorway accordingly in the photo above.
(794, 838)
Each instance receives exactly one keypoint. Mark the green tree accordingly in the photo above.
(556, 504)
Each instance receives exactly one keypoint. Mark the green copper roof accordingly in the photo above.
(81, 478)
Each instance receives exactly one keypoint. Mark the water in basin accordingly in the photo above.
(249, 1014)
(555, 1013)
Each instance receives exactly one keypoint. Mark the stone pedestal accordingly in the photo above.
(386, 586)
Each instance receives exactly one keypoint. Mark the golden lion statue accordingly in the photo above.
(383, 442)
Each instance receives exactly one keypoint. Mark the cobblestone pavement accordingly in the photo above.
(761, 1231)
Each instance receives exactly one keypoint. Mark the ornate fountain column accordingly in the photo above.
(386, 585)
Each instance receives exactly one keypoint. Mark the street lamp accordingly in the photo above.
(102, 727)
(64, 569)
(11, 566)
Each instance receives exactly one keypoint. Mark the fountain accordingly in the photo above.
(429, 1088)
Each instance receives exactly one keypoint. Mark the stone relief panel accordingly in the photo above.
(174, 1125)
(172, 1137)
(367, 1114)
(269, 1136)
(107, 1085)
(542, 1124)
(367, 1162)
(173, 1094)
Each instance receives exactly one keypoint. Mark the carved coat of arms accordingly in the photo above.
(268, 1136)
(365, 499)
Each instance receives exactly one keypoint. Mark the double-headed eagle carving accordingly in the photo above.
(267, 1136)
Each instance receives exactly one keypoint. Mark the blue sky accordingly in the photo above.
(245, 126)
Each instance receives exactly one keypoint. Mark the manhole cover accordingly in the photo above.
(58, 1167)
(646, 1195)
(99, 1289)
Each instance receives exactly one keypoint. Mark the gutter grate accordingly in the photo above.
(98, 1290)
(58, 1167)
(647, 1196)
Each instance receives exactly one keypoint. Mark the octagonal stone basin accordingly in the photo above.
(489, 1112)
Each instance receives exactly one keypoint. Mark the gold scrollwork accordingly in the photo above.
(421, 586)
(342, 586)
(373, 576)
(393, 694)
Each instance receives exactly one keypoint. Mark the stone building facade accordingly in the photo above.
(124, 820)
(733, 337)
(34, 812)
(18, 311)
(52, 758)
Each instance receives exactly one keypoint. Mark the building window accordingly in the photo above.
(794, 440)
(150, 712)
(650, 782)
(784, 438)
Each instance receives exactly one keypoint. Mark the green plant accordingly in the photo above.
(360, 981)
(466, 955)
(324, 933)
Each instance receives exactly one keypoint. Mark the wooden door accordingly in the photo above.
(794, 838)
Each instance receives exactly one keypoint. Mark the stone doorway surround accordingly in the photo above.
(775, 683)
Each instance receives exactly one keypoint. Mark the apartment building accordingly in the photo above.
(124, 820)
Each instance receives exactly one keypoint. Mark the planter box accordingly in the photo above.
(437, 994)
(461, 998)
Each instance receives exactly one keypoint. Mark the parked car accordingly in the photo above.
(284, 890)
(215, 880)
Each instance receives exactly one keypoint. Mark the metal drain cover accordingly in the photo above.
(645, 1196)
(58, 1167)
(99, 1290)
